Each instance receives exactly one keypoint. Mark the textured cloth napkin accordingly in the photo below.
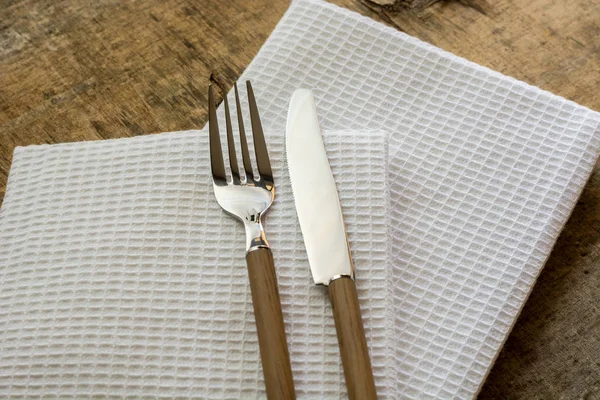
(121, 276)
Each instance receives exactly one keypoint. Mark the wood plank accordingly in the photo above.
(80, 70)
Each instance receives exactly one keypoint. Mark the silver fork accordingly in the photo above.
(247, 198)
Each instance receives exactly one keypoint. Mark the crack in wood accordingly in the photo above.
(395, 4)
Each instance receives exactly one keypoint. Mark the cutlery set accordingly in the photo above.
(248, 197)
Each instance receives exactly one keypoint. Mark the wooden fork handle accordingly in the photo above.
(351, 338)
(269, 325)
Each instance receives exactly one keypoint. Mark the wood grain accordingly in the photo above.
(274, 353)
(87, 70)
(351, 338)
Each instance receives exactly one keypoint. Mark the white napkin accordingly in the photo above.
(120, 275)
(484, 171)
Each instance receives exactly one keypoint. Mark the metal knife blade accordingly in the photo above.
(315, 193)
(322, 225)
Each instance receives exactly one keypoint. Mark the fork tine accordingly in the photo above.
(243, 142)
(216, 155)
(235, 172)
(260, 147)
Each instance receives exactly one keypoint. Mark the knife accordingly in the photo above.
(322, 224)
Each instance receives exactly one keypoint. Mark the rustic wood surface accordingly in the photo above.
(351, 339)
(87, 70)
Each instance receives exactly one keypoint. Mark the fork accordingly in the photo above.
(247, 198)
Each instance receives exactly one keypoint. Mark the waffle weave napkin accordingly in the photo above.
(121, 276)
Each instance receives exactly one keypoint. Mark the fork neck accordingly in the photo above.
(255, 236)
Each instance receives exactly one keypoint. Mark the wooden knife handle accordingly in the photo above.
(351, 338)
(269, 325)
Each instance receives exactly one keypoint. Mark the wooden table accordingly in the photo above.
(86, 70)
